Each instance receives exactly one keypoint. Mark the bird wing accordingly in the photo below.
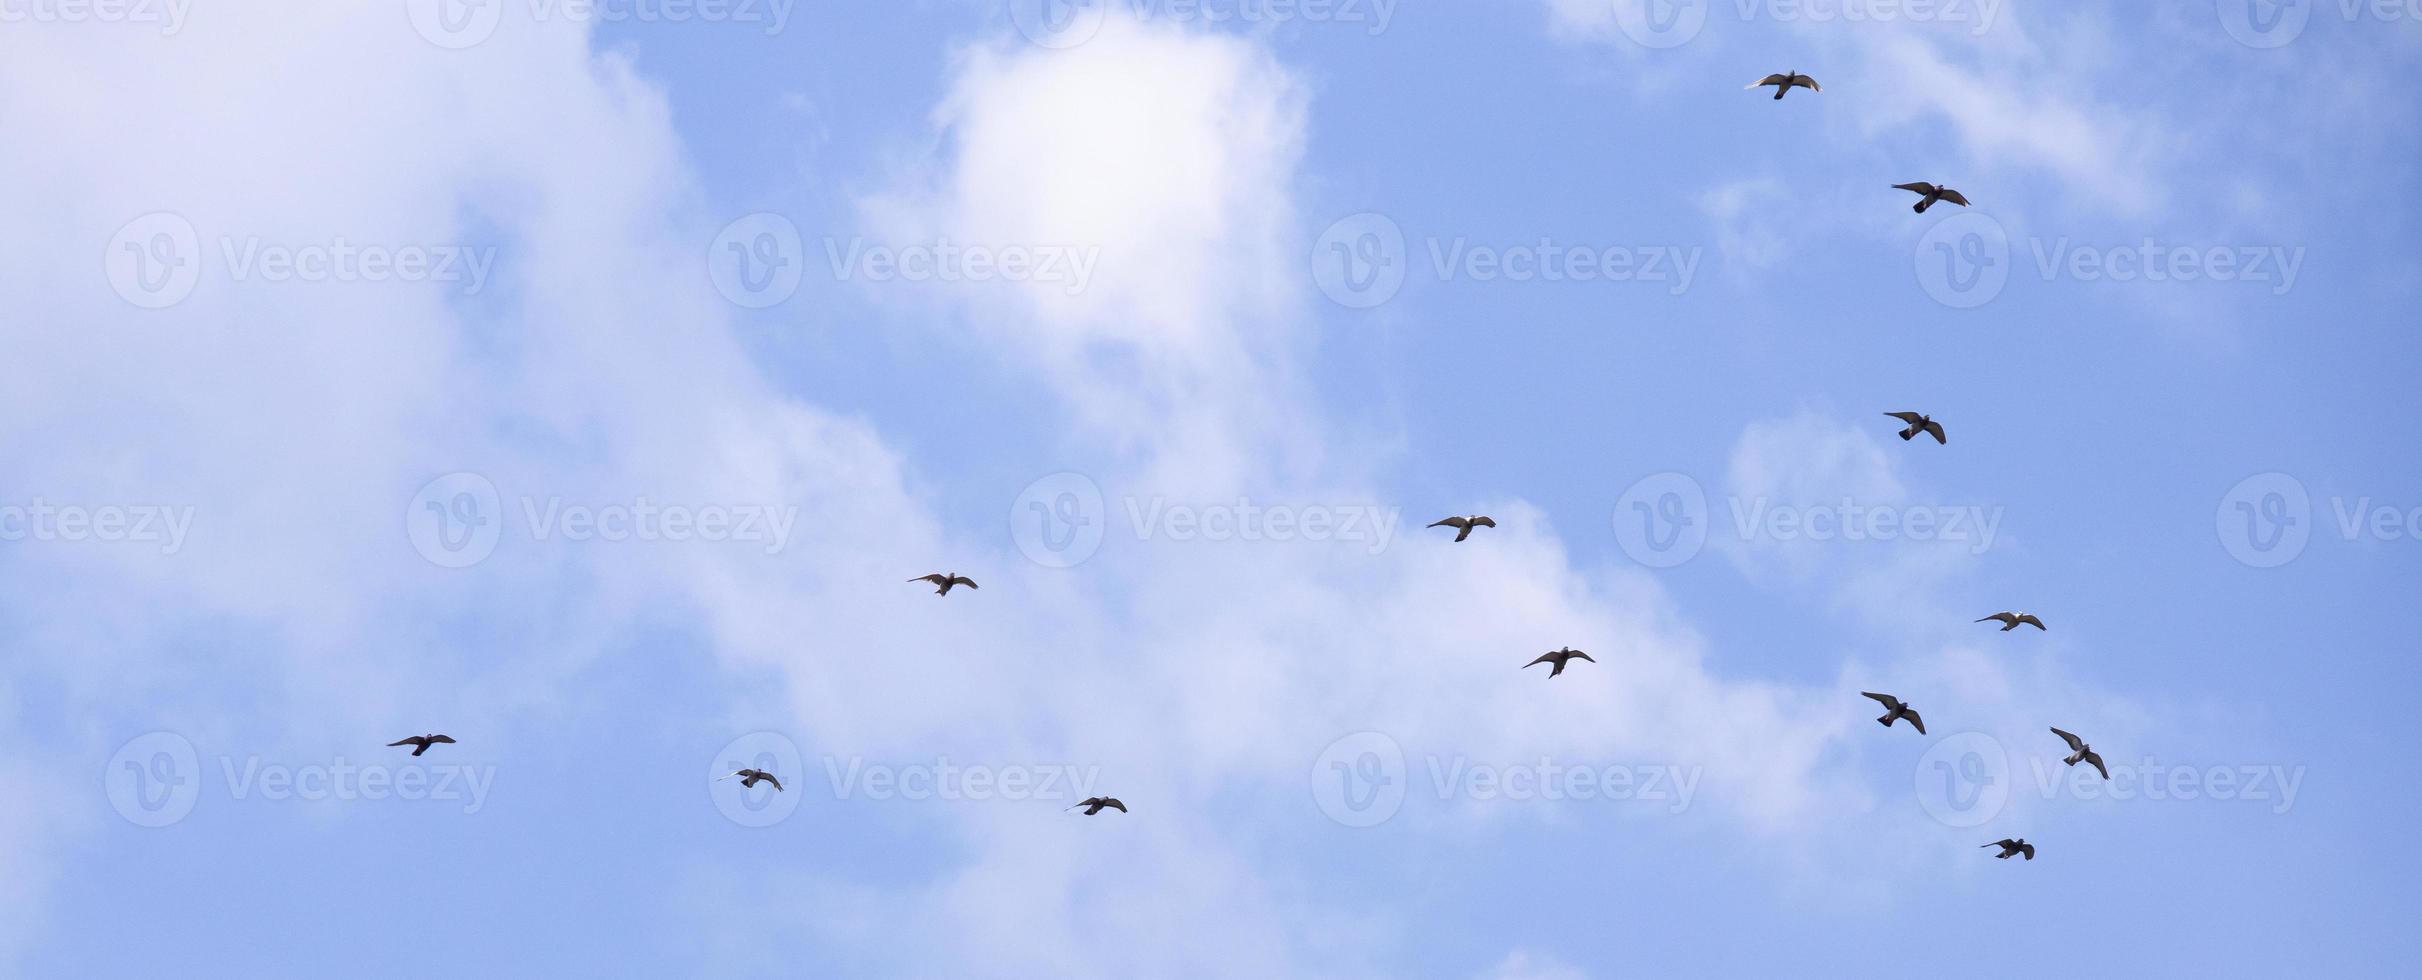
(1921, 187)
(1768, 80)
(448, 739)
(2075, 743)
(1114, 804)
(1483, 522)
(2030, 620)
(2028, 850)
(1887, 700)
(2096, 759)
(1954, 197)
(1544, 658)
(2004, 842)
(1453, 522)
(1807, 82)
(769, 777)
(1914, 721)
(1087, 801)
(1999, 617)
(1909, 417)
(414, 740)
(1585, 656)
(964, 580)
(936, 578)
(1935, 429)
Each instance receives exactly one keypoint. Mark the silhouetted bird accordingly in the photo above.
(1559, 658)
(1894, 710)
(1932, 193)
(944, 580)
(2012, 620)
(749, 778)
(1463, 525)
(1782, 83)
(1919, 423)
(2010, 847)
(2079, 751)
(421, 743)
(1094, 804)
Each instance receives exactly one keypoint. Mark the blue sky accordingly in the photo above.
(583, 383)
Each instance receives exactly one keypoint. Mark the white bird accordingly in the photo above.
(1782, 83)
(2013, 620)
(1463, 525)
(2079, 751)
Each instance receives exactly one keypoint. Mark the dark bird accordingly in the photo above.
(1094, 804)
(749, 778)
(2079, 751)
(2011, 846)
(1463, 525)
(2012, 620)
(1559, 658)
(944, 580)
(1894, 710)
(1782, 83)
(1920, 423)
(421, 743)
(1932, 193)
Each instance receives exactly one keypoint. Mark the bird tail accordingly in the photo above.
(2072, 760)
(1780, 89)
(1920, 207)
(2013, 625)
(1886, 720)
(1908, 433)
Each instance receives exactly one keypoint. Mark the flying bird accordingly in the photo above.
(1094, 804)
(1895, 709)
(1782, 83)
(1463, 525)
(1920, 423)
(421, 743)
(944, 580)
(2079, 751)
(1932, 193)
(749, 778)
(1559, 658)
(2012, 620)
(2011, 846)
